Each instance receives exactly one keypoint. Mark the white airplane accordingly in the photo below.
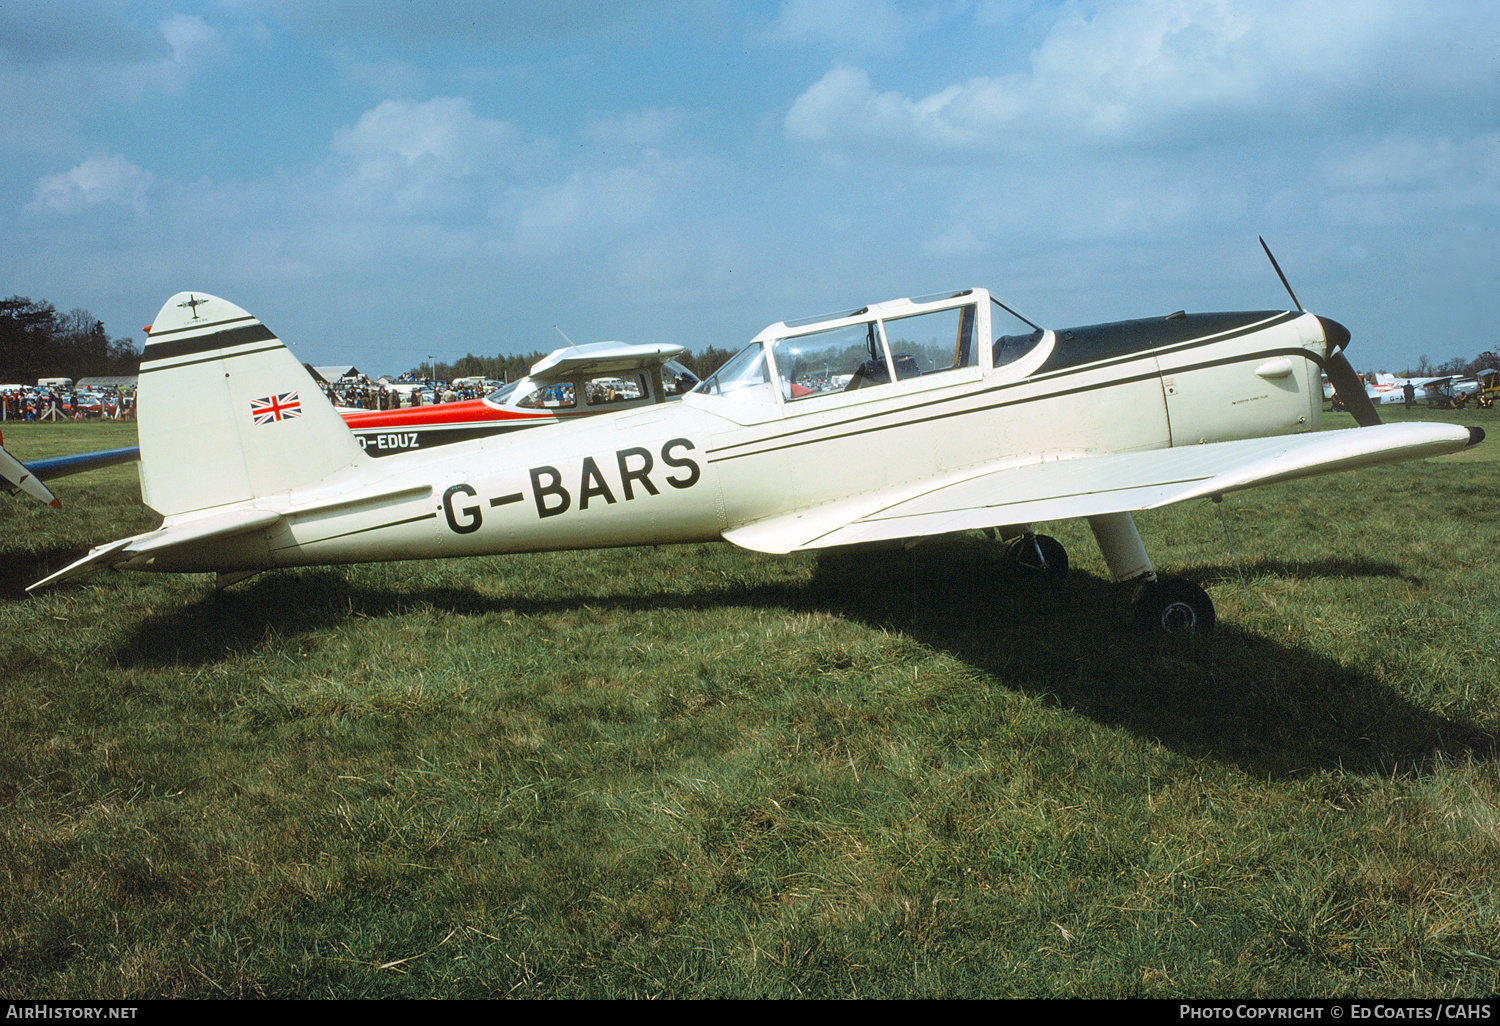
(1388, 389)
(28, 477)
(897, 421)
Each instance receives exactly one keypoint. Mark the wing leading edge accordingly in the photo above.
(1090, 485)
(28, 477)
(77, 463)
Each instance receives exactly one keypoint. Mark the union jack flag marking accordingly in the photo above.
(275, 408)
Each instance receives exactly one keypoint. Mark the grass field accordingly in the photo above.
(698, 771)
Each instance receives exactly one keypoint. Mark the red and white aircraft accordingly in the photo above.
(579, 381)
(899, 420)
(1388, 389)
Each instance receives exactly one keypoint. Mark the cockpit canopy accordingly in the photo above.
(901, 340)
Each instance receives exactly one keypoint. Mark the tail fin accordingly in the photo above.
(227, 413)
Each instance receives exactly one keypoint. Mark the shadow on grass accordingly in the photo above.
(1264, 706)
(19, 569)
(1335, 567)
(1267, 707)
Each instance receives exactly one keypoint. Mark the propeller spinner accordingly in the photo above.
(1346, 382)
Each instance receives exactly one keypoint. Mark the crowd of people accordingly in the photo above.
(37, 402)
(71, 403)
(66, 403)
(370, 395)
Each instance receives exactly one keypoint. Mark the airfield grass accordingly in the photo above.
(697, 771)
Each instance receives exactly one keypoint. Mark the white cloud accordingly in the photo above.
(1000, 12)
(1148, 69)
(1402, 178)
(592, 207)
(96, 180)
(475, 23)
(648, 127)
(190, 37)
(388, 76)
(873, 25)
(443, 129)
(843, 108)
(1399, 161)
(194, 43)
(53, 68)
(434, 185)
(413, 156)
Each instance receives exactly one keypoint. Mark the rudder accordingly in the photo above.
(227, 413)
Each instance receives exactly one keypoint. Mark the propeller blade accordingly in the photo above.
(1351, 388)
(1286, 284)
(1349, 385)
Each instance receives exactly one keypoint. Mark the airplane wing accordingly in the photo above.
(16, 474)
(601, 358)
(77, 463)
(1089, 485)
(28, 477)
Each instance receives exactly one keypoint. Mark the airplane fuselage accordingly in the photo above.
(693, 470)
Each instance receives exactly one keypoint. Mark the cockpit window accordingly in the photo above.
(676, 379)
(551, 397)
(931, 342)
(836, 360)
(499, 395)
(607, 391)
(743, 377)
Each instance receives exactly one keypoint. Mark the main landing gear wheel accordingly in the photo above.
(1041, 553)
(1173, 605)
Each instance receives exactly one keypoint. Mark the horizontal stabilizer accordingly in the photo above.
(97, 559)
(1090, 485)
(165, 539)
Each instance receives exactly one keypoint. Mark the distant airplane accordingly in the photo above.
(28, 477)
(897, 421)
(1388, 388)
(576, 381)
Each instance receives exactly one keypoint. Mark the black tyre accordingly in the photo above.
(1041, 553)
(1173, 605)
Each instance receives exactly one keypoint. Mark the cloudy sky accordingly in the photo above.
(384, 180)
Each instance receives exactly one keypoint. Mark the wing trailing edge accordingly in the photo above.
(1091, 485)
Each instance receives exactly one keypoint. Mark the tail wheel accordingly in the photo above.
(1039, 552)
(1173, 605)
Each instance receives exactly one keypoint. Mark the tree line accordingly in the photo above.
(1458, 366)
(38, 342)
